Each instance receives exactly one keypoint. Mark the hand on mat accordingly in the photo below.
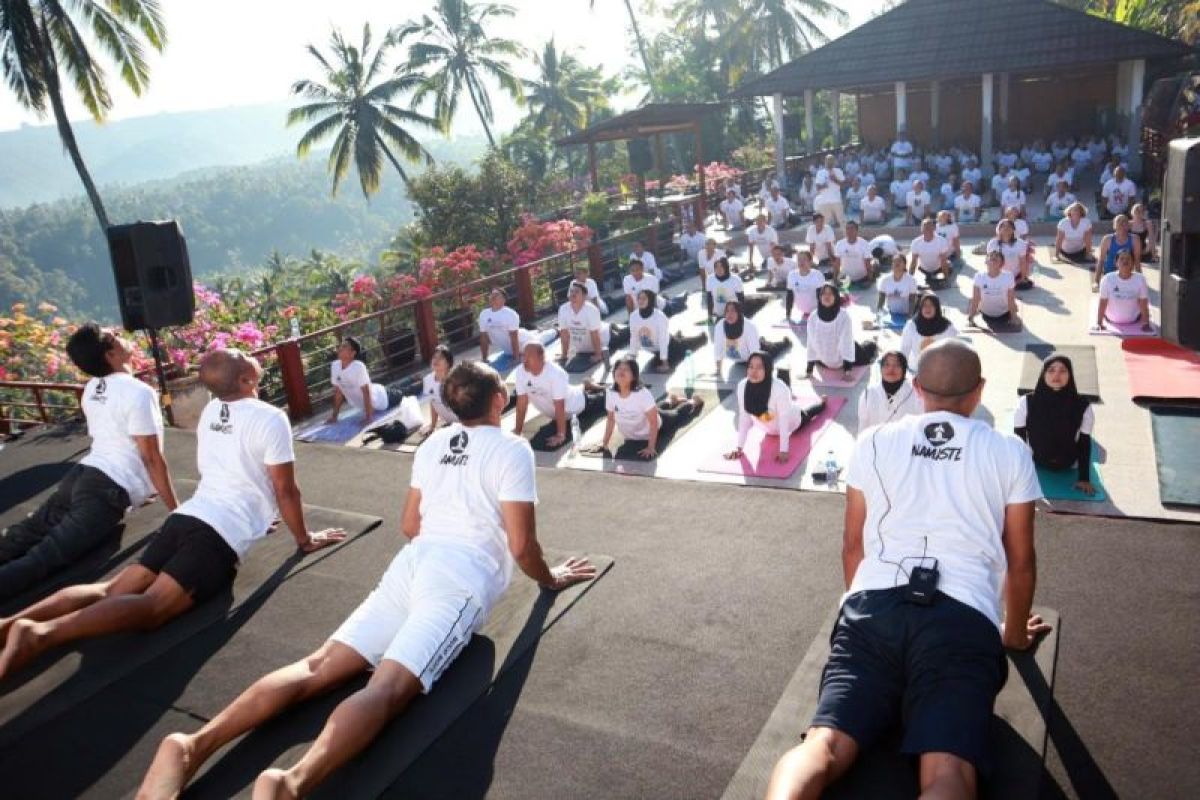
(647, 452)
(1018, 639)
(594, 449)
(1147, 328)
(323, 539)
(571, 572)
(1086, 487)
(1099, 326)
(555, 440)
(781, 458)
(734, 454)
(331, 419)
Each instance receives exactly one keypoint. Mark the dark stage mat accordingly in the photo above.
(1018, 730)
(519, 619)
(624, 449)
(1177, 454)
(1083, 360)
(64, 678)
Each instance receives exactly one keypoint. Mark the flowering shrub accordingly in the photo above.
(535, 240)
(714, 173)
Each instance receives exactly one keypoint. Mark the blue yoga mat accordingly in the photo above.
(502, 362)
(1059, 484)
(896, 322)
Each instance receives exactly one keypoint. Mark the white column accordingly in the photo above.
(777, 120)
(985, 144)
(934, 116)
(901, 108)
(836, 100)
(1004, 104)
(808, 122)
(1137, 79)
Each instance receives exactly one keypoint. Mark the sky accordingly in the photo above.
(224, 53)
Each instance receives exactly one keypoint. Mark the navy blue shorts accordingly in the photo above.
(935, 669)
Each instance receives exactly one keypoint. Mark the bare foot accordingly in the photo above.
(274, 784)
(174, 765)
(698, 402)
(23, 645)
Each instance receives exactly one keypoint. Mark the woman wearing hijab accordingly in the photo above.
(648, 329)
(722, 287)
(736, 337)
(927, 326)
(831, 336)
(632, 410)
(766, 401)
(1056, 422)
(893, 398)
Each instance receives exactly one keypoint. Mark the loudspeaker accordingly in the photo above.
(640, 159)
(1181, 244)
(1181, 187)
(153, 274)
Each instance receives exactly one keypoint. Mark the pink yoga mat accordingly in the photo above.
(1111, 328)
(832, 378)
(1159, 370)
(758, 456)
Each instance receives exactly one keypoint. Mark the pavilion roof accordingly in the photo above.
(648, 120)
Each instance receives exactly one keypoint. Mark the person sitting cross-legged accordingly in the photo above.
(649, 330)
(766, 401)
(938, 539)
(632, 410)
(247, 476)
(470, 516)
(123, 469)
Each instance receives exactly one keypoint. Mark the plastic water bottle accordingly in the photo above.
(831, 469)
(690, 373)
(295, 323)
(576, 434)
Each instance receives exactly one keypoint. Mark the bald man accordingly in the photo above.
(244, 454)
(938, 541)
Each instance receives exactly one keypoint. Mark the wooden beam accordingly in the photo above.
(592, 166)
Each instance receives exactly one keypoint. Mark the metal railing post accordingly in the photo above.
(295, 385)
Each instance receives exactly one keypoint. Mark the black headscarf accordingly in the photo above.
(930, 327)
(733, 330)
(651, 303)
(1054, 416)
(758, 395)
(721, 262)
(891, 387)
(829, 313)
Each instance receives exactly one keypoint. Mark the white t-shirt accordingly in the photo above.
(947, 233)
(886, 244)
(1123, 295)
(778, 271)
(648, 262)
(732, 209)
(1082, 157)
(551, 384)
(993, 292)
(912, 343)
(706, 262)
(117, 408)
(351, 380)
(1021, 417)
(928, 254)
(1057, 204)
(1013, 252)
(1067, 177)
(967, 208)
(580, 325)
(1000, 182)
(828, 192)
(873, 208)
(1042, 161)
(831, 343)
(876, 408)
(820, 242)
(738, 349)
(900, 189)
(1073, 235)
(854, 257)
(630, 412)
(938, 484)
(917, 202)
(1120, 195)
(235, 443)
(764, 240)
(692, 244)
(897, 292)
(649, 333)
(974, 175)
(631, 286)
(723, 292)
(431, 390)
(804, 289)
(778, 208)
(464, 474)
(1012, 198)
(499, 325)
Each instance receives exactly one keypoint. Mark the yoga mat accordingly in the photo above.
(1083, 359)
(1018, 730)
(1159, 370)
(65, 677)
(758, 456)
(1059, 484)
(996, 326)
(537, 434)
(1111, 328)
(580, 363)
(349, 425)
(824, 378)
(519, 619)
(1176, 454)
(622, 449)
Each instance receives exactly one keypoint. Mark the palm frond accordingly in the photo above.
(317, 133)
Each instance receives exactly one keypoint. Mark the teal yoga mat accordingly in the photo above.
(1176, 432)
(1059, 484)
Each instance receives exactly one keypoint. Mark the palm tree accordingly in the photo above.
(457, 49)
(360, 111)
(641, 43)
(561, 95)
(781, 30)
(40, 37)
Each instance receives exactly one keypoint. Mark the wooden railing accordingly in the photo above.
(44, 403)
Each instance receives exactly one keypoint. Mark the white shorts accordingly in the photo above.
(421, 615)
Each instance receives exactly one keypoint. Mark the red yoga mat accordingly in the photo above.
(1159, 370)
(758, 456)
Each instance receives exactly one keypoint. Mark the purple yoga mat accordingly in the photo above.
(824, 378)
(1111, 328)
(758, 456)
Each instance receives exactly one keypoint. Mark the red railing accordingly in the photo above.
(47, 404)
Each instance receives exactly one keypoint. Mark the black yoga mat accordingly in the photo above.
(1177, 454)
(1018, 728)
(63, 678)
(623, 449)
(1083, 360)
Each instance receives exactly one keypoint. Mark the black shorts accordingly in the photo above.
(936, 669)
(192, 553)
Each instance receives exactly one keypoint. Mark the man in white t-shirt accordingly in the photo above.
(1119, 193)
(761, 238)
(580, 327)
(1124, 299)
(691, 241)
(732, 210)
(469, 518)
(916, 201)
(1059, 201)
(873, 207)
(930, 252)
(820, 240)
(779, 266)
(706, 259)
(500, 327)
(901, 151)
(124, 468)
(971, 173)
(852, 257)
(548, 387)
(778, 208)
(938, 539)
(637, 280)
(828, 200)
(247, 477)
(966, 205)
(640, 253)
(900, 187)
(351, 383)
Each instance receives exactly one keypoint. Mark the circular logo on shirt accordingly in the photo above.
(938, 433)
(458, 443)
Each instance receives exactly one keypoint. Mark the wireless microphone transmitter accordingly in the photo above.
(922, 584)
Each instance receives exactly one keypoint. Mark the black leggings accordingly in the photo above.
(1080, 257)
(864, 355)
(678, 347)
(670, 420)
(708, 302)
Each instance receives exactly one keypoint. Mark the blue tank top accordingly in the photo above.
(1115, 248)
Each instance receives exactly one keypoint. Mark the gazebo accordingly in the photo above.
(650, 121)
(1033, 68)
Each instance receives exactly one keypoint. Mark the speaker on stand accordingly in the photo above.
(154, 283)
(1181, 244)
